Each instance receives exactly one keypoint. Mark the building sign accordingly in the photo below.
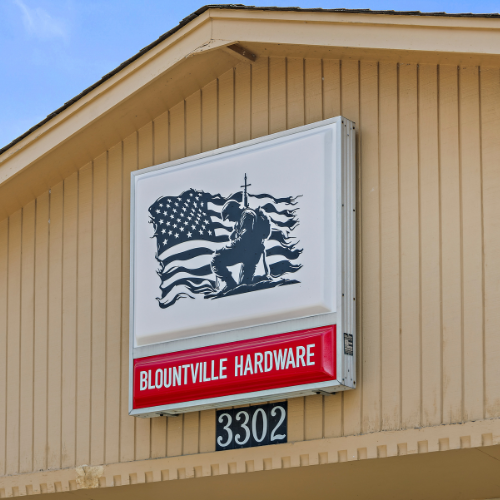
(252, 426)
(235, 368)
(243, 273)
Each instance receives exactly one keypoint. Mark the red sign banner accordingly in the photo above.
(272, 362)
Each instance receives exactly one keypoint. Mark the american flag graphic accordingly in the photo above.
(189, 228)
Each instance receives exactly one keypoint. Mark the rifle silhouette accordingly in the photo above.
(245, 204)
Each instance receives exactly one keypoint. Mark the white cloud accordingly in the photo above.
(40, 23)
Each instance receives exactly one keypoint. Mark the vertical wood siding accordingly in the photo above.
(428, 282)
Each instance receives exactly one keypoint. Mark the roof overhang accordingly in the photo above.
(195, 54)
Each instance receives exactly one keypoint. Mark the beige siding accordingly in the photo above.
(490, 153)
(40, 344)
(27, 329)
(84, 309)
(429, 241)
(370, 247)
(429, 277)
(68, 350)
(13, 343)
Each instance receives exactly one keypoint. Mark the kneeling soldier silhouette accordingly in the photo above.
(246, 247)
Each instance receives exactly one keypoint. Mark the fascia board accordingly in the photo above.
(358, 18)
(472, 37)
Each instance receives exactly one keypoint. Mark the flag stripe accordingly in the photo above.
(214, 239)
(213, 213)
(171, 302)
(285, 252)
(270, 208)
(218, 225)
(290, 200)
(200, 271)
(290, 223)
(279, 236)
(282, 267)
(186, 255)
(192, 283)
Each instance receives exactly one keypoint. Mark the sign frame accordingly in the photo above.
(344, 317)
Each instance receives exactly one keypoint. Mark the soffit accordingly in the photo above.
(370, 54)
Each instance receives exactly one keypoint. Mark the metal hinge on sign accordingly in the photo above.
(325, 393)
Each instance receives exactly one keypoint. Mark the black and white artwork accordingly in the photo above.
(235, 234)
(235, 238)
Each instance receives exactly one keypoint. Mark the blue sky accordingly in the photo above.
(50, 50)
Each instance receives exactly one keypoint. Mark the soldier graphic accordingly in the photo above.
(246, 246)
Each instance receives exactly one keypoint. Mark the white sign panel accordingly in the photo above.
(225, 242)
